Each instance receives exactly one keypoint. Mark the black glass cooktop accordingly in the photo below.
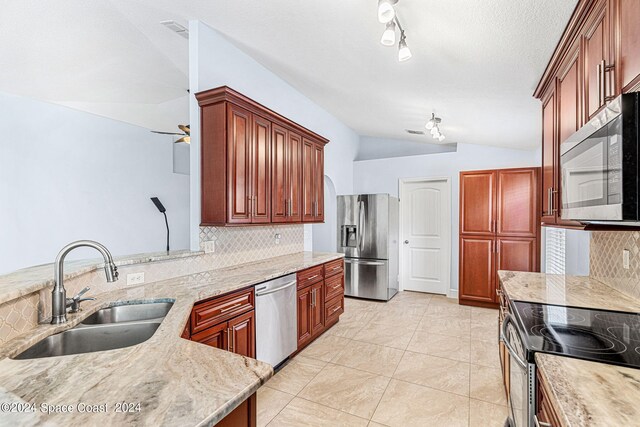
(601, 335)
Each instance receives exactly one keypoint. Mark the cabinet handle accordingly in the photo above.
(336, 309)
(290, 207)
(286, 208)
(600, 73)
(336, 286)
(233, 344)
(313, 298)
(224, 310)
(249, 205)
(312, 277)
(255, 207)
(228, 339)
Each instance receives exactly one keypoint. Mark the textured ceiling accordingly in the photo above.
(475, 62)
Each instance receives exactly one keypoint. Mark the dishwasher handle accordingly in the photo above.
(279, 288)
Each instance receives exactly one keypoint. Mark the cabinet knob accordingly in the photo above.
(406, 242)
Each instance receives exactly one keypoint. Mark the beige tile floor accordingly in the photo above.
(418, 360)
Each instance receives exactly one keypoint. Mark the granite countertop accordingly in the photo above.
(32, 279)
(586, 393)
(176, 381)
(574, 291)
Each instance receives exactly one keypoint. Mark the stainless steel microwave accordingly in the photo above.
(599, 166)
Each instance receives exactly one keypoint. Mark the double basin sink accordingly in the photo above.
(107, 329)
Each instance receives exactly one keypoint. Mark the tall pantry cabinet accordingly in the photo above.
(499, 229)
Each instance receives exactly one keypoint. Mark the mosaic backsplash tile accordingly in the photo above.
(233, 246)
(606, 260)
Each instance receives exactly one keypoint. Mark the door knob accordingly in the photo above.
(406, 242)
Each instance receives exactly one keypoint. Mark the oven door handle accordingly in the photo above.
(503, 337)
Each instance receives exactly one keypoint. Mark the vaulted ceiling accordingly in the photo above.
(475, 62)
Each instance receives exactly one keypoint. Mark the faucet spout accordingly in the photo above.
(59, 293)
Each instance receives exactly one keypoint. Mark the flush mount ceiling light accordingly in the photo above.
(387, 15)
(386, 12)
(433, 126)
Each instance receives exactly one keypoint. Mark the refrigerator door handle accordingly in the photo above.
(353, 261)
(361, 220)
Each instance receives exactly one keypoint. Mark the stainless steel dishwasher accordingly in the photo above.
(276, 325)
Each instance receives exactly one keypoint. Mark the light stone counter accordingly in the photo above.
(590, 394)
(574, 291)
(177, 382)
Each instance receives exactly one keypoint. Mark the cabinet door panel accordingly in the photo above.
(317, 308)
(215, 336)
(239, 165)
(261, 171)
(279, 165)
(308, 181)
(569, 110)
(629, 34)
(477, 269)
(517, 202)
(243, 334)
(294, 176)
(549, 156)
(319, 182)
(517, 254)
(596, 50)
(304, 316)
(477, 210)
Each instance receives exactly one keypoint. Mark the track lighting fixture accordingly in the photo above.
(386, 12)
(387, 15)
(389, 35)
(434, 128)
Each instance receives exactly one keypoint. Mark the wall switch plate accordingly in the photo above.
(135, 278)
(278, 238)
(625, 259)
(209, 246)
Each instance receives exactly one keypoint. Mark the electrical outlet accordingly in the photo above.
(135, 278)
(278, 238)
(209, 246)
(625, 259)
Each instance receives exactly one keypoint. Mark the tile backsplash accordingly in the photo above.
(233, 246)
(606, 260)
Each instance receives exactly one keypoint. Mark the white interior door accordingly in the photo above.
(426, 235)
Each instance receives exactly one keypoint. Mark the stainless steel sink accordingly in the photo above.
(129, 313)
(107, 329)
(89, 339)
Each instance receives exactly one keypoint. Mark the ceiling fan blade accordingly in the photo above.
(185, 139)
(185, 128)
(166, 133)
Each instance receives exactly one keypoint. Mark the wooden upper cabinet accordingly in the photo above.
(477, 272)
(279, 199)
(550, 155)
(628, 58)
(597, 75)
(239, 165)
(260, 170)
(517, 202)
(569, 110)
(477, 196)
(252, 164)
(319, 181)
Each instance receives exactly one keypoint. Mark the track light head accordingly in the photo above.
(386, 12)
(389, 35)
(403, 50)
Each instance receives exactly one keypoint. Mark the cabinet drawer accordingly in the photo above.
(220, 309)
(334, 287)
(334, 267)
(310, 276)
(333, 310)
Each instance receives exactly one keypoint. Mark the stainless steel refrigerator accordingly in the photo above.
(368, 236)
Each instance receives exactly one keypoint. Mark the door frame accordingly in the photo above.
(401, 184)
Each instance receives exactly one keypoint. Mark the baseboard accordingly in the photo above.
(453, 293)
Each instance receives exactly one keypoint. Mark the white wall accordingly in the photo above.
(325, 235)
(67, 175)
(381, 176)
(214, 62)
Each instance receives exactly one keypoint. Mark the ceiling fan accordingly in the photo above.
(186, 133)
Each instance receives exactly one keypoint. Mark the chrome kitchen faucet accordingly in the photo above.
(59, 299)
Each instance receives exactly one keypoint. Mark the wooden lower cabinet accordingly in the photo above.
(242, 332)
(477, 272)
(245, 415)
(216, 336)
(545, 412)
